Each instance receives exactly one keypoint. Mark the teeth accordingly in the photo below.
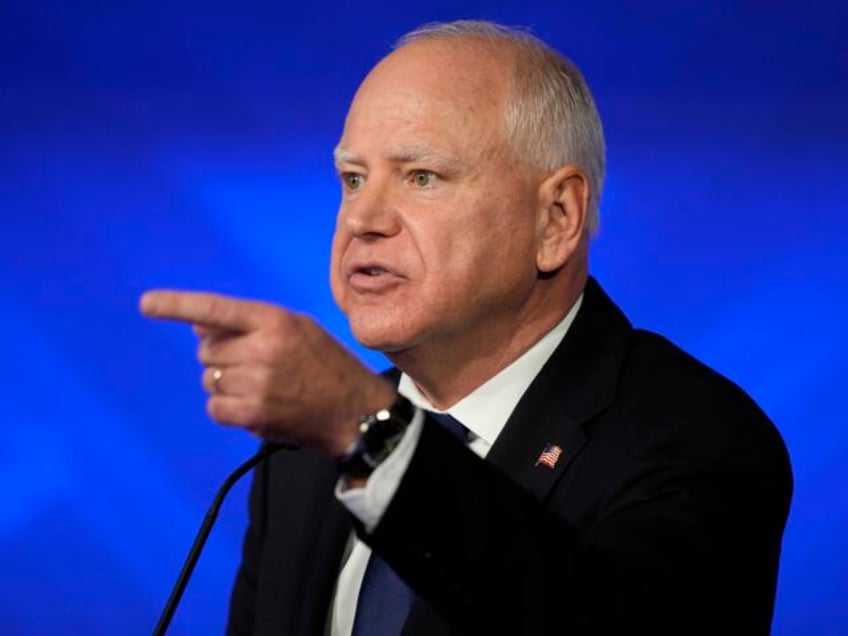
(373, 271)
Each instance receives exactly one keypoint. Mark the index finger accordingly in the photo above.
(202, 308)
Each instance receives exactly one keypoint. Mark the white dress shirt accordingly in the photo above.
(484, 412)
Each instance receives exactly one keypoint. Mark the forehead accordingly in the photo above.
(442, 92)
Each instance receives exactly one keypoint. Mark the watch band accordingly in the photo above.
(380, 433)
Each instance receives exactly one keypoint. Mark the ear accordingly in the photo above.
(561, 223)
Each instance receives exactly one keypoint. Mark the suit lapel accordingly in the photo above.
(575, 385)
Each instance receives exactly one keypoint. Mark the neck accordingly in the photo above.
(447, 371)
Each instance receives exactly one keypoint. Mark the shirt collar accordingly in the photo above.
(487, 408)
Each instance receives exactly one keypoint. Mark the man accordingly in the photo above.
(609, 482)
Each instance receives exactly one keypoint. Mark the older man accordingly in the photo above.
(600, 481)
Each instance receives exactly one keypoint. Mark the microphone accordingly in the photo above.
(205, 528)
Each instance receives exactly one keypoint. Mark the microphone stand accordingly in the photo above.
(205, 528)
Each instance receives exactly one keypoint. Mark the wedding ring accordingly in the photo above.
(217, 374)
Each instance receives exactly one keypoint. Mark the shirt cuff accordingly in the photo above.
(368, 504)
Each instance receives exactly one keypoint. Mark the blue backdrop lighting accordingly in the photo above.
(189, 145)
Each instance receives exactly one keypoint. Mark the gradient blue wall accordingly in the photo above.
(188, 144)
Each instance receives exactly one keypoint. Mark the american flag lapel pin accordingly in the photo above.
(550, 456)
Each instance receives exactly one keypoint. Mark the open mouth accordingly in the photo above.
(371, 273)
(373, 277)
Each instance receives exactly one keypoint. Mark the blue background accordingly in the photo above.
(156, 143)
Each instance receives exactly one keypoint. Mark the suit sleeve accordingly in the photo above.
(678, 544)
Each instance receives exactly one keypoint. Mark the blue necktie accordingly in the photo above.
(384, 599)
(453, 425)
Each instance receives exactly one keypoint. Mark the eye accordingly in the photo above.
(353, 180)
(422, 178)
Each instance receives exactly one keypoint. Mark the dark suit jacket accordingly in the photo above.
(664, 514)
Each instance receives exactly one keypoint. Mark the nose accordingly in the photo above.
(372, 213)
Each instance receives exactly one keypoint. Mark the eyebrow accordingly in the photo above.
(404, 154)
(341, 155)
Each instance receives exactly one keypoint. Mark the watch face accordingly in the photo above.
(381, 432)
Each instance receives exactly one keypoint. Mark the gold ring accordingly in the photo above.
(217, 374)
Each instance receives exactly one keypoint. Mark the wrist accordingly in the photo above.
(379, 433)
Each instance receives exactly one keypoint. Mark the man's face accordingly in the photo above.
(436, 234)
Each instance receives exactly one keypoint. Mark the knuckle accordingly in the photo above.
(305, 320)
(273, 346)
(226, 410)
(260, 347)
(263, 378)
(220, 311)
(299, 322)
(286, 320)
(215, 409)
(204, 350)
(278, 323)
(254, 417)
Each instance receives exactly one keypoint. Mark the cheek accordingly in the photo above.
(336, 254)
(496, 236)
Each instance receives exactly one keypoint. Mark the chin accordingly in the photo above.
(377, 340)
(379, 333)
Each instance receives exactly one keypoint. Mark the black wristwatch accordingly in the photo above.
(380, 433)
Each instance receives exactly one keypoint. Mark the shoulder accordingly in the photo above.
(674, 398)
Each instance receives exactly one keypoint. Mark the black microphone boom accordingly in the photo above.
(205, 528)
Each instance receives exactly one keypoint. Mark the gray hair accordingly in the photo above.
(551, 118)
